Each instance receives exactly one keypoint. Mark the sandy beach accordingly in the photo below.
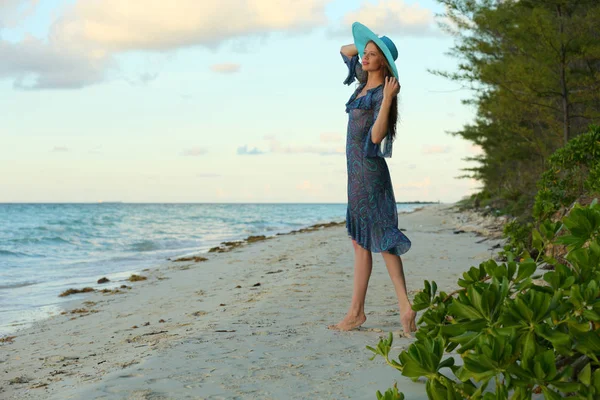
(249, 323)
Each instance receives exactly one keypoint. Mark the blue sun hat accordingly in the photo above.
(362, 35)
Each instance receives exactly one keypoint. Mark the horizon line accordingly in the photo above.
(124, 202)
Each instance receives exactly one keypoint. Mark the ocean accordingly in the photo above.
(48, 248)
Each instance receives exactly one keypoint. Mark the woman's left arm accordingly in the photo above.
(391, 88)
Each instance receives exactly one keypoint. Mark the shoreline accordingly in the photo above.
(13, 328)
(230, 245)
(232, 300)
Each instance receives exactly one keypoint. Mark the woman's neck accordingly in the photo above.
(374, 79)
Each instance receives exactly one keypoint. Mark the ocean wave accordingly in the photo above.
(103, 223)
(59, 229)
(49, 239)
(16, 254)
(17, 285)
(67, 222)
(144, 245)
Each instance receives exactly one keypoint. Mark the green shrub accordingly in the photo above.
(572, 171)
(476, 200)
(390, 394)
(592, 184)
(526, 335)
(518, 238)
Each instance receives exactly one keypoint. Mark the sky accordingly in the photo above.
(221, 101)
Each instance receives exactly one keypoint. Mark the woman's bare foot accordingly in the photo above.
(409, 324)
(349, 323)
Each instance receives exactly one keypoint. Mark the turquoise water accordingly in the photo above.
(48, 248)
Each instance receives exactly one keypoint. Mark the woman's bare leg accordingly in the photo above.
(396, 272)
(363, 265)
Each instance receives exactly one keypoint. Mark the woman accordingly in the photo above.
(371, 217)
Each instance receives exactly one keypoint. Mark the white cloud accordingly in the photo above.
(95, 150)
(392, 17)
(83, 41)
(277, 147)
(146, 77)
(14, 11)
(245, 151)
(225, 68)
(220, 193)
(474, 149)
(422, 184)
(435, 149)
(35, 64)
(194, 152)
(58, 149)
(304, 185)
(331, 137)
(117, 25)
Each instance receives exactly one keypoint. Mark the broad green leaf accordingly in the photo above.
(550, 394)
(435, 390)
(529, 348)
(591, 315)
(480, 366)
(476, 300)
(413, 370)
(525, 270)
(596, 380)
(462, 310)
(459, 328)
(588, 343)
(539, 371)
(447, 363)
(585, 375)
(467, 340)
(523, 309)
(567, 387)
(556, 337)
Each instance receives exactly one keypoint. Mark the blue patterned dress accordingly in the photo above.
(371, 217)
